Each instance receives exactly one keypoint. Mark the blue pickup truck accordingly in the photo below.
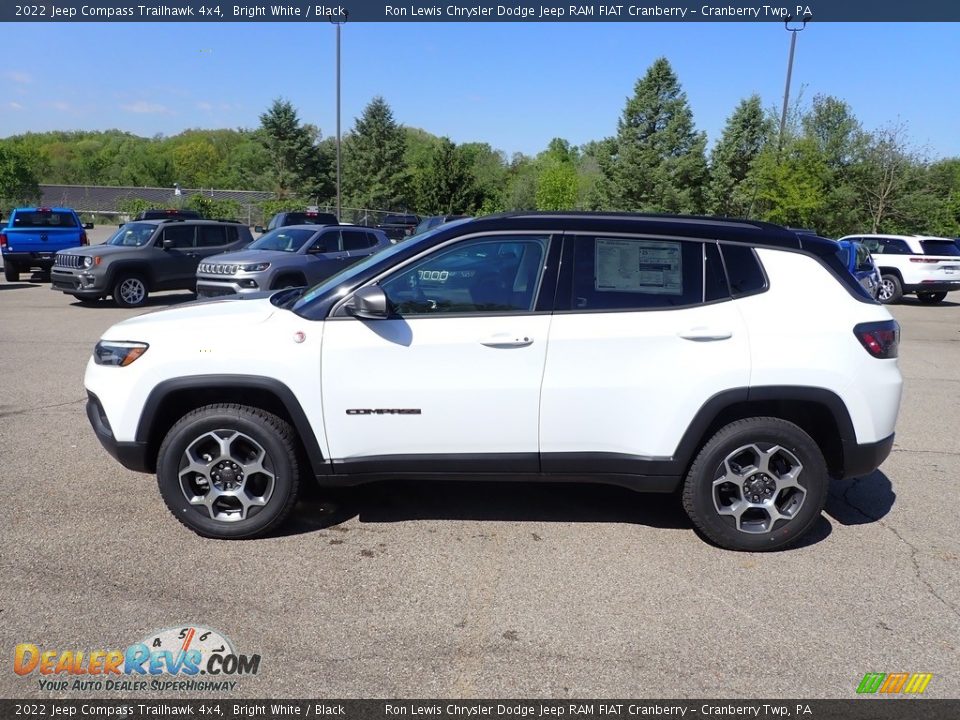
(32, 236)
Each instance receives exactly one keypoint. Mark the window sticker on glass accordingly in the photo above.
(642, 266)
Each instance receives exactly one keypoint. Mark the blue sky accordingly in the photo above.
(513, 85)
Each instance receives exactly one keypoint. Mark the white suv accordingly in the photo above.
(927, 266)
(654, 352)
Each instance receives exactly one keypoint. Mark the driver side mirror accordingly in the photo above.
(368, 303)
(88, 226)
(167, 244)
(258, 229)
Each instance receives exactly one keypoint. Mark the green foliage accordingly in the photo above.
(269, 208)
(298, 165)
(373, 171)
(447, 185)
(789, 185)
(747, 133)
(18, 183)
(212, 208)
(657, 162)
(134, 206)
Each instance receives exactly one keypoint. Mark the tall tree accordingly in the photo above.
(374, 174)
(883, 175)
(447, 186)
(657, 161)
(298, 166)
(747, 132)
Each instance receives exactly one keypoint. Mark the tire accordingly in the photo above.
(130, 291)
(891, 290)
(712, 505)
(931, 298)
(243, 433)
(11, 271)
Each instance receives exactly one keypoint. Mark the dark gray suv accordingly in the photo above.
(144, 257)
(287, 257)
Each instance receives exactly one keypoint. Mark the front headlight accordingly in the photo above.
(118, 354)
(88, 262)
(255, 267)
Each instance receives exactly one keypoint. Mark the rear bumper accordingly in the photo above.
(42, 260)
(132, 455)
(863, 459)
(934, 286)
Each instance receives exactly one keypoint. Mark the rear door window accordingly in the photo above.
(355, 240)
(211, 236)
(743, 270)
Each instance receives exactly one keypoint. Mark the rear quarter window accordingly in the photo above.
(940, 247)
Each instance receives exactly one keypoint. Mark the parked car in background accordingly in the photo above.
(143, 257)
(857, 259)
(168, 214)
(287, 257)
(32, 236)
(310, 216)
(399, 226)
(661, 354)
(913, 264)
(429, 223)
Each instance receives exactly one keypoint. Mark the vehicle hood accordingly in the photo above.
(101, 250)
(197, 317)
(241, 257)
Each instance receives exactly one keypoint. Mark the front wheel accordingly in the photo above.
(931, 298)
(130, 291)
(229, 471)
(758, 484)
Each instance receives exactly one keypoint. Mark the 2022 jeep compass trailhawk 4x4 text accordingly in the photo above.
(660, 353)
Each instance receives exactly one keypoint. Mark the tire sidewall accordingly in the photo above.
(897, 289)
(814, 479)
(188, 430)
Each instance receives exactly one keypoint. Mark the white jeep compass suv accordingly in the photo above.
(660, 353)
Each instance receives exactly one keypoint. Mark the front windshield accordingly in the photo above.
(132, 235)
(358, 268)
(283, 240)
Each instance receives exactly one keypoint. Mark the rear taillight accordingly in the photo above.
(923, 260)
(3, 240)
(83, 238)
(881, 339)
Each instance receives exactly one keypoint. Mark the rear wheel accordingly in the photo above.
(11, 271)
(891, 290)
(229, 471)
(758, 484)
(130, 291)
(931, 298)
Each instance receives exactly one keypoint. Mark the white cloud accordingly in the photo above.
(15, 106)
(18, 77)
(205, 106)
(144, 107)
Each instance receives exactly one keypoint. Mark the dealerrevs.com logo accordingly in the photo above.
(191, 658)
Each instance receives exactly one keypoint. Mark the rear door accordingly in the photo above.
(644, 334)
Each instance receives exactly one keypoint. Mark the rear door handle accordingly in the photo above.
(506, 340)
(706, 334)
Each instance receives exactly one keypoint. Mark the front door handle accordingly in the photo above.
(706, 334)
(507, 340)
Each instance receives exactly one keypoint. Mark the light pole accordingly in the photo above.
(338, 21)
(807, 17)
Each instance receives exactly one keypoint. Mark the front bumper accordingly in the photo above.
(221, 287)
(863, 459)
(81, 282)
(132, 455)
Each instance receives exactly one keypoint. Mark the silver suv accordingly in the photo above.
(291, 256)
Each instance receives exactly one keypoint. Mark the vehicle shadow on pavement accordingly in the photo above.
(153, 301)
(398, 501)
(16, 286)
(916, 303)
(862, 500)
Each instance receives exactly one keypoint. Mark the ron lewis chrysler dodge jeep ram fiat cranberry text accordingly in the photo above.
(654, 352)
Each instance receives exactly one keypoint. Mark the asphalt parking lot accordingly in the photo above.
(497, 590)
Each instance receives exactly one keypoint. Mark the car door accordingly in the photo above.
(325, 256)
(643, 336)
(451, 382)
(176, 263)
